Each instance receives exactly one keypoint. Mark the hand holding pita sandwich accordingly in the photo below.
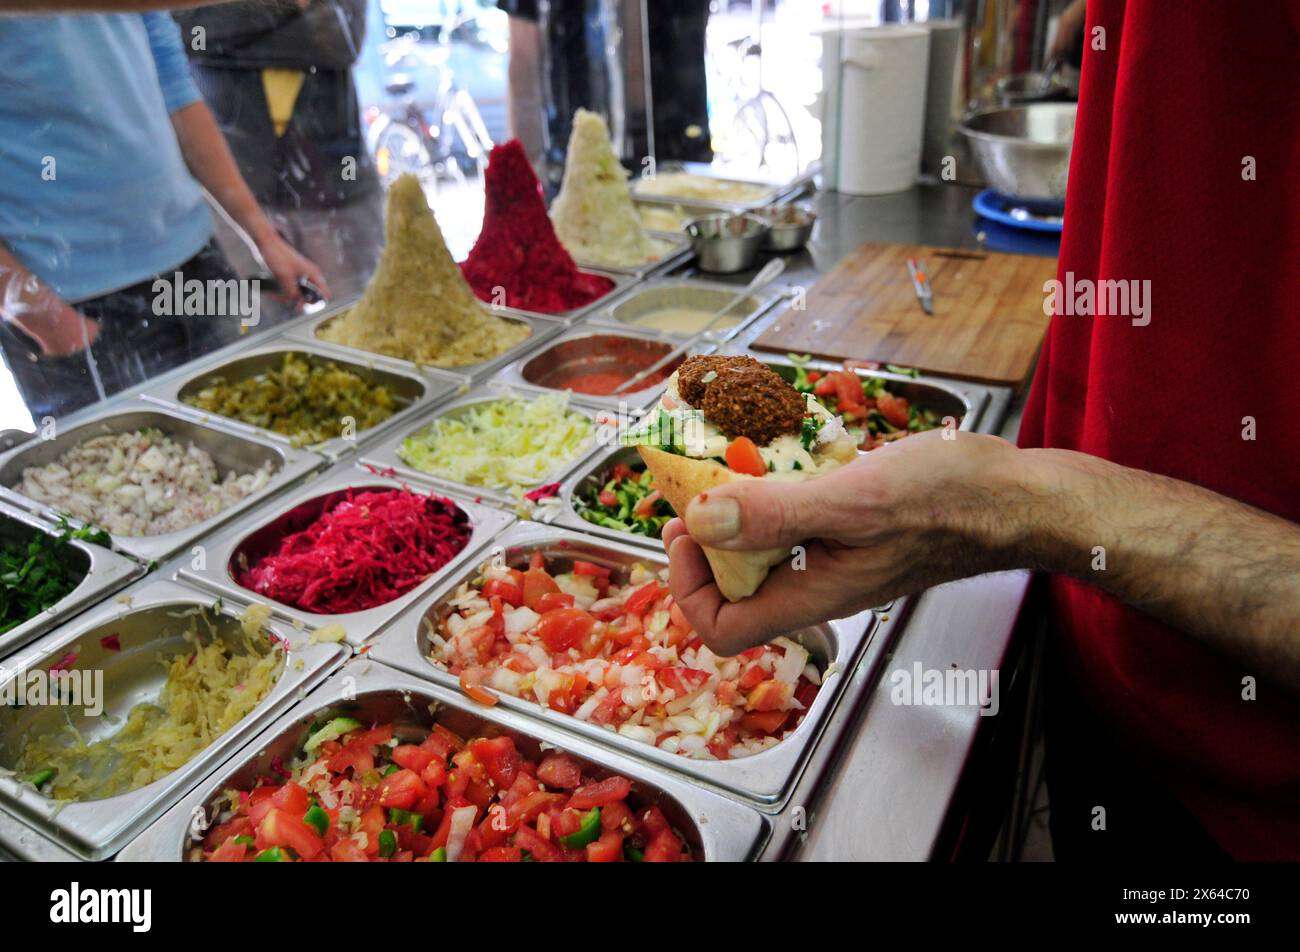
(787, 525)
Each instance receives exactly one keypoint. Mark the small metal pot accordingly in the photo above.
(725, 244)
(790, 227)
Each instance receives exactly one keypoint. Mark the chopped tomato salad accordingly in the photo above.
(873, 414)
(376, 794)
(610, 647)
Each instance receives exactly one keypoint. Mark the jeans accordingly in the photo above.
(134, 344)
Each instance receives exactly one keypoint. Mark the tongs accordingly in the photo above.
(311, 294)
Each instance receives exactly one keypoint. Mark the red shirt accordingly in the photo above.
(1186, 154)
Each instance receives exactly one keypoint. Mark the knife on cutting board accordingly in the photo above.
(921, 284)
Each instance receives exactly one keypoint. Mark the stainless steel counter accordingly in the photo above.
(890, 788)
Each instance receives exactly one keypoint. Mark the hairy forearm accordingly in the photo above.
(1220, 570)
(211, 162)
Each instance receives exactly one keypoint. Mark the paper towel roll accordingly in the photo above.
(940, 93)
(873, 111)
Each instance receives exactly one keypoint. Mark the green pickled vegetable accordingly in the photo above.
(42, 777)
(307, 401)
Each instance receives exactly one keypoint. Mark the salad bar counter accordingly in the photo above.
(417, 613)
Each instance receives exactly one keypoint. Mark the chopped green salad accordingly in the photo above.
(627, 501)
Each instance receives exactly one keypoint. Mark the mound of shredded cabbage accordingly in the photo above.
(593, 213)
(501, 444)
(208, 691)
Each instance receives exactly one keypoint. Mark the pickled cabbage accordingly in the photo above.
(209, 689)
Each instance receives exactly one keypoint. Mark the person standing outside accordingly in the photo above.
(277, 75)
(106, 149)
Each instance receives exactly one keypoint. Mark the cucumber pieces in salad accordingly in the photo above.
(626, 501)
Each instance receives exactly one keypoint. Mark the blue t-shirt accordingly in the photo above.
(94, 193)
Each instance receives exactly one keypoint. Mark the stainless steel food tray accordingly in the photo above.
(679, 253)
(947, 398)
(418, 392)
(231, 449)
(97, 829)
(583, 342)
(717, 829)
(590, 474)
(709, 296)
(105, 572)
(776, 191)
(543, 327)
(685, 210)
(765, 778)
(384, 457)
(265, 528)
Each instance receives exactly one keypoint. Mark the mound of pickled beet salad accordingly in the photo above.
(517, 250)
(384, 794)
(366, 550)
(610, 647)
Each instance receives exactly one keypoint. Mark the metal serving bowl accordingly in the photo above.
(790, 227)
(1024, 151)
(725, 244)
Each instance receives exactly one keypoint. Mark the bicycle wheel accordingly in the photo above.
(399, 150)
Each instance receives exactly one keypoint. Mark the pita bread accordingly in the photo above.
(681, 479)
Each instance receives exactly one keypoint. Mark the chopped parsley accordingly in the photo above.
(36, 574)
(808, 436)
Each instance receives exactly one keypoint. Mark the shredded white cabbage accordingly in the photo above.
(501, 443)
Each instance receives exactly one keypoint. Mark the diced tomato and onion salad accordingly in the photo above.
(870, 410)
(378, 794)
(626, 500)
(610, 647)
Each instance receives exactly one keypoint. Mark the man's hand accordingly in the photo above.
(912, 514)
(927, 510)
(283, 261)
(1068, 42)
(210, 161)
(58, 328)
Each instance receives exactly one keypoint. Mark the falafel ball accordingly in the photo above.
(691, 374)
(753, 402)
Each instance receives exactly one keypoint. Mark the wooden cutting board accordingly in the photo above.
(987, 326)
